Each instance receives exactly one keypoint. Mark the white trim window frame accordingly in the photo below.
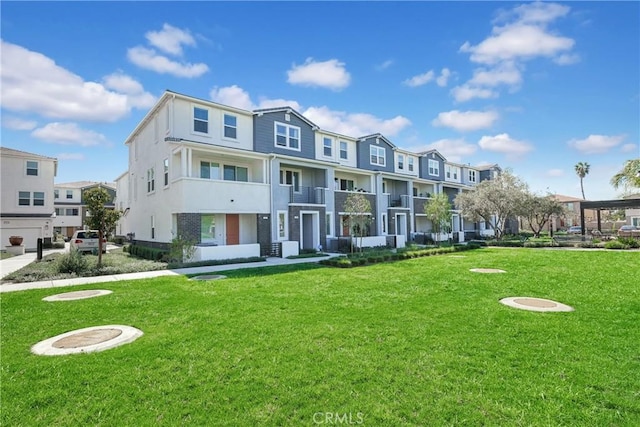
(229, 126)
(165, 167)
(24, 198)
(400, 161)
(410, 163)
(38, 198)
(344, 153)
(69, 194)
(329, 224)
(151, 181)
(383, 223)
(327, 146)
(377, 155)
(434, 167)
(472, 176)
(291, 177)
(210, 168)
(282, 224)
(286, 136)
(200, 122)
(32, 167)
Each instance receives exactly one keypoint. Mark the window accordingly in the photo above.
(209, 170)
(347, 185)
(635, 220)
(329, 224)
(24, 198)
(410, 163)
(472, 176)
(377, 155)
(570, 207)
(400, 161)
(343, 150)
(71, 212)
(166, 172)
(151, 181)
(287, 136)
(56, 194)
(32, 168)
(208, 228)
(327, 145)
(456, 171)
(230, 126)
(69, 194)
(434, 167)
(235, 173)
(289, 177)
(200, 120)
(38, 198)
(282, 225)
(384, 223)
(153, 227)
(59, 211)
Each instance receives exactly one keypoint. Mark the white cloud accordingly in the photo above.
(466, 93)
(567, 59)
(465, 121)
(149, 59)
(35, 83)
(594, 144)
(519, 41)
(170, 39)
(329, 74)
(629, 148)
(386, 64)
(70, 156)
(506, 73)
(454, 150)
(16, 123)
(420, 79)
(535, 13)
(136, 95)
(503, 143)
(237, 97)
(355, 124)
(555, 172)
(443, 78)
(68, 134)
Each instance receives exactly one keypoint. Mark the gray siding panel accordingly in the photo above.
(364, 158)
(424, 168)
(264, 135)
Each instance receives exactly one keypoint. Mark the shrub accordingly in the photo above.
(73, 262)
(615, 244)
(629, 241)
(58, 245)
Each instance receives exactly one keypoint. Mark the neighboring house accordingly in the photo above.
(244, 183)
(70, 210)
(27, 196)
(571, 216)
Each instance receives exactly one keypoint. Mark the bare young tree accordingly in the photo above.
(494, 201)
(358, 210)
(438, 211)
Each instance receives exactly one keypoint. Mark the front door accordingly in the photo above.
(233, 229)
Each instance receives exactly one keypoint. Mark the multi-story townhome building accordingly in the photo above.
(245, 183)
(27, 196)
(70, 210)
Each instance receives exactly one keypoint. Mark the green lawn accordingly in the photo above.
(419, 342)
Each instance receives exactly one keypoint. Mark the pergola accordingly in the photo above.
(605, 205)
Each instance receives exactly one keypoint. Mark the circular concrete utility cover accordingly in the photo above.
(71, 296)
(209, 277)
(87, 340)
(535, 304)
(486, 270)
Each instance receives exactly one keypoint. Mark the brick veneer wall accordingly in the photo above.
(264, 233)
(189, 226)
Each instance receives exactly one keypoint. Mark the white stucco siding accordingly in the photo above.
(29, 229)
(15, 179)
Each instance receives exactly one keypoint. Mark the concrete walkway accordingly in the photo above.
(28, 258)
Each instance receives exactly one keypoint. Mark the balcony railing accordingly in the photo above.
(311, 195)
(398, 201)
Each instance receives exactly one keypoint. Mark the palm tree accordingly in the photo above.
(582, 170)
(629, 176)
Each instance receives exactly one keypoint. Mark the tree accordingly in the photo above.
(100, 217)
(582, 170)
(494, 201)
(538, 210)
(358, 211)
(438, 211)
(629, 176)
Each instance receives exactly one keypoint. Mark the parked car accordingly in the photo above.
(629, 231)
(575, 229)
(87, 241)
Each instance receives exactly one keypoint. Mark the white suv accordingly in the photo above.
(87, 241)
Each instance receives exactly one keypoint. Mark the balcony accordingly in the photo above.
(209, 195)
(397, 201)
(309, 195)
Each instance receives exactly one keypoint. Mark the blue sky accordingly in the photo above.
(535, 87)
